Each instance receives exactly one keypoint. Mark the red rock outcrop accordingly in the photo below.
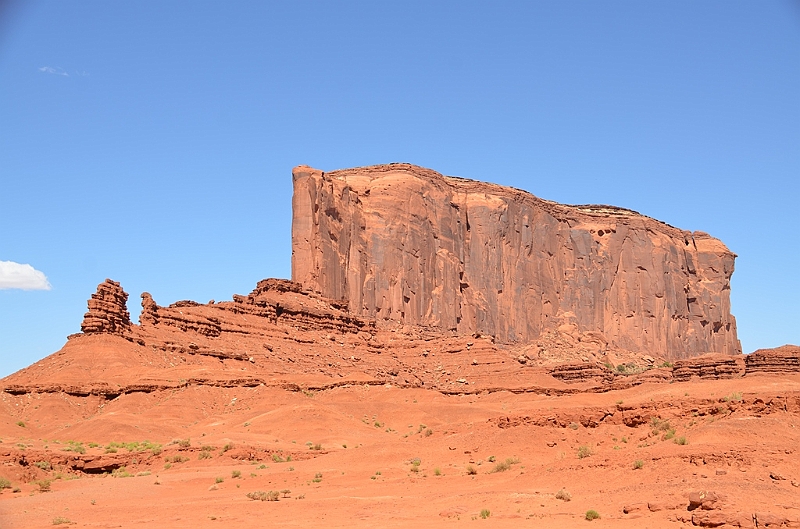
(580, 372)
(709, 366)
(403, 243)
(108, 310)
(784, 359)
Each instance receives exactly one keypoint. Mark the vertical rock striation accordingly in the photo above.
(403, 243)
(108, 311)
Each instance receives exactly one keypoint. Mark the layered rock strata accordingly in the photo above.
(713, 366)
(784, 359)
(405, 244)
(108, 311)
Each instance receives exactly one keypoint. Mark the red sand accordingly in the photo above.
(370, 436)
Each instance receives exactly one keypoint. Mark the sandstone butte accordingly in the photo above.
(449, 352)
(400, 242)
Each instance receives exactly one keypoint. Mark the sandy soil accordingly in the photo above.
(385, 456)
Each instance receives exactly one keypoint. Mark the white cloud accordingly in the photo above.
(54, 71)
(21, 276)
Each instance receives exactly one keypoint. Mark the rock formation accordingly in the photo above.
(784, 359)
(403, 243)
(108, 310)
(712, 366)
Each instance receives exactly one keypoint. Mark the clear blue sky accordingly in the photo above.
(152, 142)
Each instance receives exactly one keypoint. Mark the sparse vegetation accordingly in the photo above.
(659, 426)
(44, 485)
(286, 493)
(315, 447)
(574, 425)
(437, 471)
(563, 495)
(228, 446)
(317, 477)
(74, 446)
(21, 424)
(584, 451)
(44, 465)
(485, 513)
(491, 459)
(591, 514)
(638, 464)
(260, 495)
(121, 472)
(135, 446)
(204, 454)
(4, 484)
(471, 471)
(278, 459)
(236, 474)
(219, 479)
(736, 397)
(681, 440)
(61, 520)
(502, 466)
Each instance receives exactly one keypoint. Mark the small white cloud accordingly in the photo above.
(21, 276)
(54, 71)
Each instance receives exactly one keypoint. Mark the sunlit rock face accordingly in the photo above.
(405, 244)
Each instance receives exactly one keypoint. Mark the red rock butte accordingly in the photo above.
(401, 243)
(448, 351)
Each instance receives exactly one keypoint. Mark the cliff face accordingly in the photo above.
(400, 242)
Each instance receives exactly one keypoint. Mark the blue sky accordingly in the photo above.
(152, 142)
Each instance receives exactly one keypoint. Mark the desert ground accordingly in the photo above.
(372, 455)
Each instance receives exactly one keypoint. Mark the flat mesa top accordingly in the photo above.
(360, 179)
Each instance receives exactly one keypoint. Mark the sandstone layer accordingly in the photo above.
(108, 311)
(400, 243)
